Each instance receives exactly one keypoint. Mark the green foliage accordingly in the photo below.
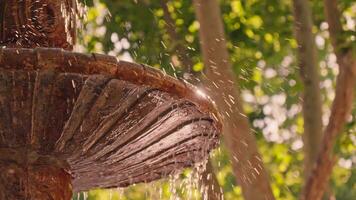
(262, 48)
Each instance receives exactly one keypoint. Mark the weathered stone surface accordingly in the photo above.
(37, 23)
(108, 123)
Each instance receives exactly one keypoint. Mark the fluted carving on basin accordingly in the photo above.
(111, 128)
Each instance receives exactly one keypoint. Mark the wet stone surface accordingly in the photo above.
(107, 130)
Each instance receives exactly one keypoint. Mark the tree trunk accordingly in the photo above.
(221, 85)
(341, 107)
(307, 59)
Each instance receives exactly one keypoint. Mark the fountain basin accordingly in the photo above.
(107, 123)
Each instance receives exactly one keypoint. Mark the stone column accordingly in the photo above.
(25, 174)
(37, 23)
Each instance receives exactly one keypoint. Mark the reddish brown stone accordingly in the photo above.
(37, 23)
(111, 126)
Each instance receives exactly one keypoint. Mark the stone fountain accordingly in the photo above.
(73, 122)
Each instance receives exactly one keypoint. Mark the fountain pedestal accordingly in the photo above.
(28, 176)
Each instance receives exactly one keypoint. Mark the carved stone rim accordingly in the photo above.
(63, 61)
